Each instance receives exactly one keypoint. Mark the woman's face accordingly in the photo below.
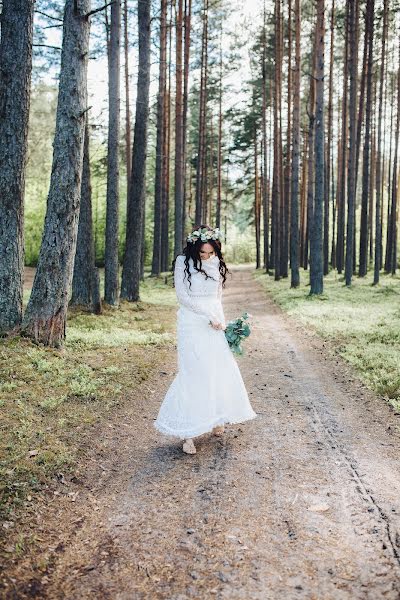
(206, 251)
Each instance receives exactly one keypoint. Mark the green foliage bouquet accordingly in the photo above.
(236, 331)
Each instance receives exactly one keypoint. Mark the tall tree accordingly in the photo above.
(316, 238)
(85, 281)
(393, 218)
(352, 24)
(265, 187)
(15, 83)
(127, 99)
(158, 189)
(179, 164)
(378, 173)
(328, 153)
(165, 200)
(201, 152)
(219, 152)
(287, 167)
(186, 56)
(369, 33)
(341, 184)
(111, 262)
(131, 269)
(45, 316)
(294, 213)
(277, 173)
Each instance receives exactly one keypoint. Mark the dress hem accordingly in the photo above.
(201, 430)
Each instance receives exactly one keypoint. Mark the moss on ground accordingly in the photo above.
(49, 397)
(363, 321)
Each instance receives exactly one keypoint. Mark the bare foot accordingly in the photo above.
(189, 447)
(219, 430)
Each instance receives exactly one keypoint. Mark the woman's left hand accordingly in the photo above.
(217, 326)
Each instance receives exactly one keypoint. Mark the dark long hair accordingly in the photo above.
(192, 250)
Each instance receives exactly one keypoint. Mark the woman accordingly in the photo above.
(208, 390)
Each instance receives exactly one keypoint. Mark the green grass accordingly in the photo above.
(48, 397)
(363, 322)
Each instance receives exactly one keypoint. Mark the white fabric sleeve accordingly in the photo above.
(184, 298)
(219, 294)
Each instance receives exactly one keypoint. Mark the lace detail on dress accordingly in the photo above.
(193, 297)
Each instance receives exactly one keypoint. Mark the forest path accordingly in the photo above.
(302, 502)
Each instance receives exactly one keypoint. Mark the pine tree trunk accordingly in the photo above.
(156, 262)
(351, 167)
(179, 164)
(128, 140)
(287, 158)
(85, 281)
(294, 213)
(341, 187)
(378, 172)
(186, 55)
(303, 205)
(266, 208)
(219, 152)
(166, 161)
(45, 316)
(111, 262)
(276, 185)
(15, 86)
(310, 166)
(327, 192)
(389, 187)
(257, 213)
(395, 181)
(372, 181)
(369, 33)
(132, 263)
(316, 239)
(201, 158)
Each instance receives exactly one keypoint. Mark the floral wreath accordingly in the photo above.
(204, 235)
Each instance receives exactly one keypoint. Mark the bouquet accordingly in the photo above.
(236, 331)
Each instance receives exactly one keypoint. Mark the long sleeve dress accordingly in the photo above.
(208, 389)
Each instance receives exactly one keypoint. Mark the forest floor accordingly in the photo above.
(302, 502)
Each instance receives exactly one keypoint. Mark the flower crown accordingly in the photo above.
(204, 235)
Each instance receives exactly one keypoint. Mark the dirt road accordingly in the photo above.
(302, 502)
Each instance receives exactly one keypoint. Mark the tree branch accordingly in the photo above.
(96, 10)
(39, 12)
(47, 46)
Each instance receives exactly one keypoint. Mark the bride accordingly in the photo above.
(208, 390)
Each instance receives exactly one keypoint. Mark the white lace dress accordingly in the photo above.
(208, 389)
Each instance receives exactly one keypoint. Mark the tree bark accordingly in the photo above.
(395, 177)
(131, 268)
(378, 172)
(15, 86)
(179, 164)
(219, 155)
(327, 193)
(341, 184)
(277, 175)
(128, 141)
(156, 261)
(201, 159)
(85, 281)
(111, 262)
(294, 213)
(369, 32)
(186, 56)
(45, 316)
(316, 239)
(351, 167)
